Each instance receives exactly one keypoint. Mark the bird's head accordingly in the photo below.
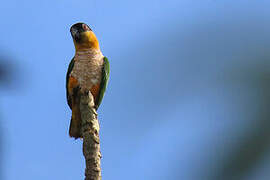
(83, 37)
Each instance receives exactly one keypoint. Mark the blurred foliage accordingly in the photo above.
(8, 81)
(255, 144)
(8, 72)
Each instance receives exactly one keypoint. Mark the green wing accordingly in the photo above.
(104, 81)
(70, 67)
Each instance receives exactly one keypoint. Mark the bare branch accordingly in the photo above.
(90, 133)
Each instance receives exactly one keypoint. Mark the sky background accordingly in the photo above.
(188, 97)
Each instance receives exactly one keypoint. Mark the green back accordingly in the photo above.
(104, 81)
(70, 67)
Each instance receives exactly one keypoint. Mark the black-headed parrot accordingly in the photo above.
(88, 71)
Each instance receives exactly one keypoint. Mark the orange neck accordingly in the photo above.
(89, 42)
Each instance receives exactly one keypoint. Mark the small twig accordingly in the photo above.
(90, 133)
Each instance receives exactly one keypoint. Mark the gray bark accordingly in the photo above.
(90, 133)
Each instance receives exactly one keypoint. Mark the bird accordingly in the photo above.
(88, 71)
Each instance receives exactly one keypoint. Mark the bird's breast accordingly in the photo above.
(87, 69)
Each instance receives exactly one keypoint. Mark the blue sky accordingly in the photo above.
(187, 96)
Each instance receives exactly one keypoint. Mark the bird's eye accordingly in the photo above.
(85, 27)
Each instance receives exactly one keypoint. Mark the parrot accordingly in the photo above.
(88, 71)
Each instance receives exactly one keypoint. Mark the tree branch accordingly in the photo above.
(90, 133)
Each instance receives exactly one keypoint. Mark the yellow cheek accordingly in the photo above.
(89, 41)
